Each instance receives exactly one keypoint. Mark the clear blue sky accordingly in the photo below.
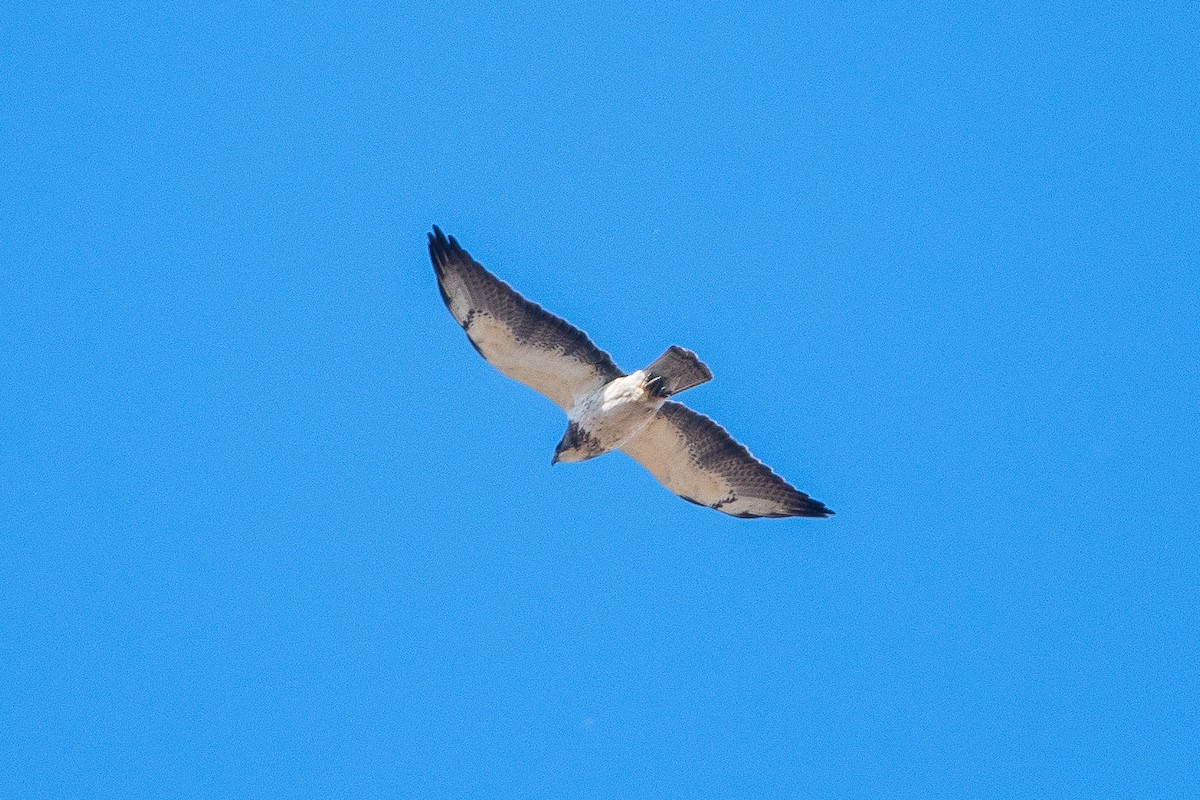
(269, 527)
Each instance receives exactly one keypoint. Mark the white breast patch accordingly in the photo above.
(617, 411)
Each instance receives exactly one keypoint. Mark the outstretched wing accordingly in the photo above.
(698, 460)
(519, 338)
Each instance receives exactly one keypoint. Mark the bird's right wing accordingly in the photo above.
(698, 460)
(517, 337)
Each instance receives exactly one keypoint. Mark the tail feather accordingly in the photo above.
(676, 370)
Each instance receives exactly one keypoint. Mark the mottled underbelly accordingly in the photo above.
(617, 412)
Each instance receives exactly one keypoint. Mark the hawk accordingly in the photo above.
(606, 409)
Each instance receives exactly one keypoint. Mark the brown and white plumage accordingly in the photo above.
(521, 339)
(698, 460)
(606, 409)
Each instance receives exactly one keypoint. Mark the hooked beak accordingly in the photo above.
(554, 460)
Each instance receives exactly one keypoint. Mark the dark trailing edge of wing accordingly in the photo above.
(532, 324)
(749, 477)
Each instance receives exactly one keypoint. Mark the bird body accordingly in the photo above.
(607, 409)
(610, 416)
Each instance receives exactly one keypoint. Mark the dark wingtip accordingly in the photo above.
(807, 507)
(441, 249)
(804, 506)
(813, 508)
(443, 244)
(439, 255)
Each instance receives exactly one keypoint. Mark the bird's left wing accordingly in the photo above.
(519, 338)
(698, 460)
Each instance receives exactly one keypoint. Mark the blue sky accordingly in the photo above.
(271, 528)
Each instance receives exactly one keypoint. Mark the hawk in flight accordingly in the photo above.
(606, 409)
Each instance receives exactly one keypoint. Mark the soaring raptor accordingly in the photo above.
(606, 409)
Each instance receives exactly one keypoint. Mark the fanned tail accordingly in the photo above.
(676, 370)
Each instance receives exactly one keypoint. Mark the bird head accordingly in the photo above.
(576, 445)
